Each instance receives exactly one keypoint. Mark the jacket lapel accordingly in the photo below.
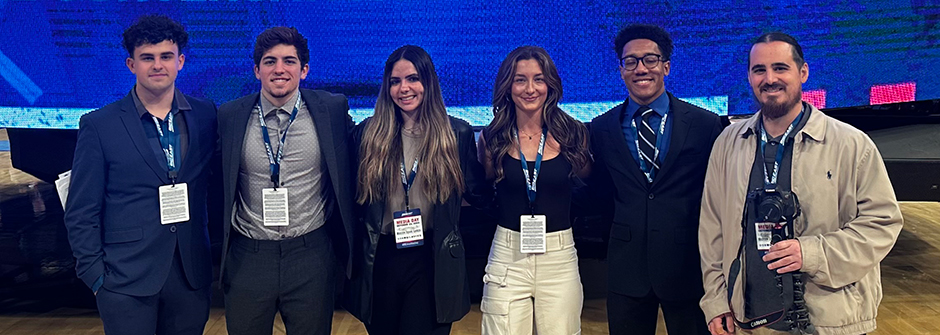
(323, 124)
(613, 127)
(240, 126)
(680, 131)
(135, 130)
(192, 155)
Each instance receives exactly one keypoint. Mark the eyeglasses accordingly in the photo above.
(630, 63)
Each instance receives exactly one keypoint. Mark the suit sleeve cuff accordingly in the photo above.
(97, 284)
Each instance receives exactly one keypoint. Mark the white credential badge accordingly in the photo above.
(174, 203)
(532, 234)
(276, 210)
(409, 230)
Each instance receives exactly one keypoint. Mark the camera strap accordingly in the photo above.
(770, 179)
(784, 281)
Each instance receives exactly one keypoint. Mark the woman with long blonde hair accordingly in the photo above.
(416, 165)
(535, 154)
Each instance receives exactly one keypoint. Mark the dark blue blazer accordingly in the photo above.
(654, 236)
(112, 213)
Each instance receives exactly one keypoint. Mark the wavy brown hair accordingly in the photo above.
(570, 134)
(380, 155)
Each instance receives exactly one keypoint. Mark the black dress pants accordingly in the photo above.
(637, 315)
(295, 277)
(403, 295)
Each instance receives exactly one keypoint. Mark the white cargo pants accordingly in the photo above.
(525, 290)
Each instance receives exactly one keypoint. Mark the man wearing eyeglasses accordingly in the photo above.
(651, 153)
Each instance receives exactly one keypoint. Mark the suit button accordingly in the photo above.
(172, 229)
(651, 196)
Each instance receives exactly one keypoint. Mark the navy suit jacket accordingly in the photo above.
(112, 212)
(330, 113)
(654, 236)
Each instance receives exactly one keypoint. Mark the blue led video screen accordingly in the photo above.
(60, 59)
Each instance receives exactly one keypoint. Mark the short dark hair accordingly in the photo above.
(644, 31)
(153, 29)
(275, 36)
(781, 37)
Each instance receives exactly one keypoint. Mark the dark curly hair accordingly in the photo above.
(644, 31)
(153, 29)
(275, 36)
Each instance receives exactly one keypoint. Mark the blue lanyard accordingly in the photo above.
(648, 171)
(169, 141)
(407, 182)
(770, 179)
(530, 182)
(275, 161)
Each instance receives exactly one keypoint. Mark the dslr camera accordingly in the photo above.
(779, 207)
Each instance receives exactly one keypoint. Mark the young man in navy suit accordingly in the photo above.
(651, 153)
(136, 210)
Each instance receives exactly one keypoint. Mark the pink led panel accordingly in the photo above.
(816, 98)
(891, 93)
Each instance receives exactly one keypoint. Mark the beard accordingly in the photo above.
(774, 109)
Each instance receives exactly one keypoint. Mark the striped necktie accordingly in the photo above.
(647, 140)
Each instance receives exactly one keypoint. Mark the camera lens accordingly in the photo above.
(770, 209)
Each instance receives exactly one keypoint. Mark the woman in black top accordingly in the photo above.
(416, 165)
(533, 151)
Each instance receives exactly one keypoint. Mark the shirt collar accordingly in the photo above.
(660, 106)
(179, 103)
(267, 107)
(814, 126)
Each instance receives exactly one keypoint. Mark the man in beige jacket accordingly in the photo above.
(849, 217)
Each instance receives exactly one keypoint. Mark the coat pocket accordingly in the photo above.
(620, 231)
(123, 236)
(836, 307)
(454, 245)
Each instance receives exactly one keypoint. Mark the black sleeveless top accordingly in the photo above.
(553, 198)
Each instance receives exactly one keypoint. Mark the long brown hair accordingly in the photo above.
(381, 149)
(570, 134)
